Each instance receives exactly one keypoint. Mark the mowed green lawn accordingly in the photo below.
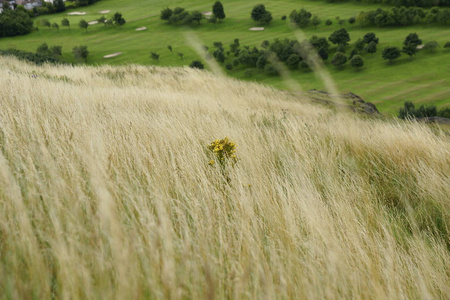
(424, 79)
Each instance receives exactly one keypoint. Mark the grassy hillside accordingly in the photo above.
(108, 192)
(422, 80)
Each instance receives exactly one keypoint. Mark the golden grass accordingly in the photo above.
(106, 192)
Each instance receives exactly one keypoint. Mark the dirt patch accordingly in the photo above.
(141, 28)
(207, 13)
(112, 55)
(104, 11)
(256, 29)
(76, 13)
(93, 22)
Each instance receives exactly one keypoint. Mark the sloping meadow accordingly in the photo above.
(109, 191)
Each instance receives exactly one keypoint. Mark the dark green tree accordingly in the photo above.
(155, 56)
(339, 59)
(328, 22)
(59, 5)
(431, 46)
(391, 53)
(359, 45)
(166, 14)
(340, 36)
(302, 18)
(196, 65)
(410, 49)
(180, 55)
(369, 37)
(80, 52)
(357, 62)
(56, 51)
(118, 19)
(55, 26)
(102, 20)
(261, 15)
(170, 48)
(293, 61)
(46, 23)
(412, 39)
(352, 20)
(218, 11)
(316, 21)
(83, 24)
(65, 22)
(43, 49)
(371, 47)
(196, 16)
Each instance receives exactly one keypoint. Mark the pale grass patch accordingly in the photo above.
(106, 192)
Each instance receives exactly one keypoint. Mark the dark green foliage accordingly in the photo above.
(328, 22)
(316, 21)
(339, 59)
(271, 70)
(219, 55)
(370, 37)
(340, 48)
(265, 44)
(55, 26)
(197, 16)
(371, 47)
(391, 53)
(65, 22)
(43, 49)
(359, 45)
(283, 18)
(35, 58)
(154, 56)
(261, 62)
(352, 20)
(56, 51)
(229, 66)
(323, 53)
(118, 19)
(410, 49)
(83, 24)
(402, 16)
(340, 36)
(197, 65)
(102, 20)
(261, 15)
(353, 53)
(166, 13)
(444, 113)
(408, 111)
(301, 18)
(218, 11)
(357, 62)
(303, 65)
(431, 46)
(319, 42)
(59, 5)
(170, 48)
(80, 52)
(293, 61)
(180, 55)
(46, 23)
(412, 39)
(447, 45)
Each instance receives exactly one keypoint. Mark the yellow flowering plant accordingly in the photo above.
(224, 151)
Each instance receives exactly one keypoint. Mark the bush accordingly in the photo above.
(15, 22)
(339, 59)
(197, 65)
(357, 62)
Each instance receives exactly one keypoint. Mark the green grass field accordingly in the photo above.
(425, 79)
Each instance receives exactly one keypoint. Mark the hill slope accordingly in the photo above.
(107, 191)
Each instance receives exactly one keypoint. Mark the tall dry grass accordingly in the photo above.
(106, 192)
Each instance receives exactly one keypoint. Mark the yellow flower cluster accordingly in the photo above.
(224, 150)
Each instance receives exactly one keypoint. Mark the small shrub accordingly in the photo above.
(224, 152)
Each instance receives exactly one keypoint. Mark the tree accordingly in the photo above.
(352, 20)
(339, 59)
(323, 53)
(302, 18)
(340, 48)
(283, 18)
(180, 55)
(56, 26)
(83, 24)
(371, 47)
(316, 21)
(293, 61)
(80, 52)
(391, 53)
(328, 22)
(45, 22)
(261, 15)
(43, 49)
(219, 55)
(412, 39)
(340, 36)
(447, 45)
(369, 37)
(410, 49)
(59, 5)
(56, 51)
(65, 22)
(431, 46)
(155, 56)
(170, 48)
(196, 65)
(218, 11)
(102, 20)
(118, 19)
(359, 45)
(271, 69)
(196, 16)
(357, 62)
(166, 14)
